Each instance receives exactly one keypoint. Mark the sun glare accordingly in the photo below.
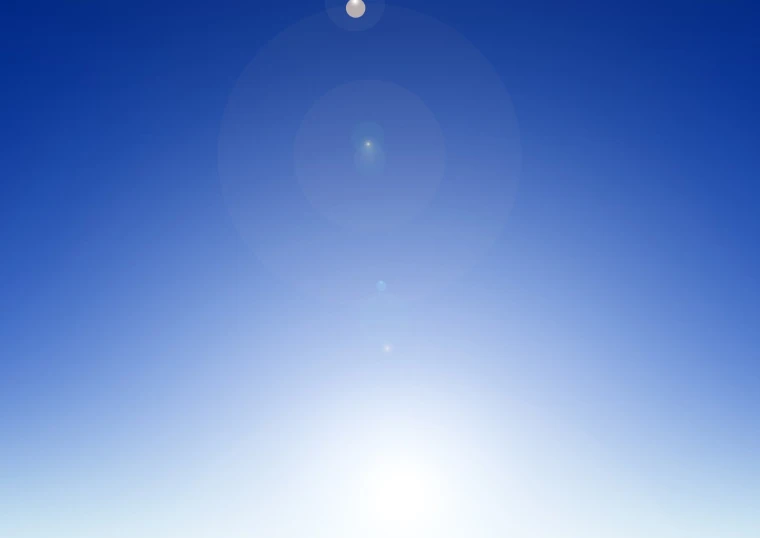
(402, 496)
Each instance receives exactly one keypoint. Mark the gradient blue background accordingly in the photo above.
(617, 317)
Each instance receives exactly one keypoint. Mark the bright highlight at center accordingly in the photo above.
(402, 497)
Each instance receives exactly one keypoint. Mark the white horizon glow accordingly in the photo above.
(398, 468)
(402, 496)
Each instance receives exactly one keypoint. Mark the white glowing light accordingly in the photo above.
(401, 496)
(387, 348)
(355, 8)
(368, 143)
(383, 469)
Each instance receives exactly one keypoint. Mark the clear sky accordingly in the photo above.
(560, 199)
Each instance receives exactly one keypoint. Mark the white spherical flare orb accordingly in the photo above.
(355, 8)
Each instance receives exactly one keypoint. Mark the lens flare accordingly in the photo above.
(355, 8)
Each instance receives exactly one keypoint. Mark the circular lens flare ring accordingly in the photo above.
(385, 219)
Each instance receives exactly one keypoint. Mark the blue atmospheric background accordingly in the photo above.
(617, 317)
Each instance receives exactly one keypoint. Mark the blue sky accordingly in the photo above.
(594, 372)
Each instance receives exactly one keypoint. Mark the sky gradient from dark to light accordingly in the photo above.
(449, 269)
